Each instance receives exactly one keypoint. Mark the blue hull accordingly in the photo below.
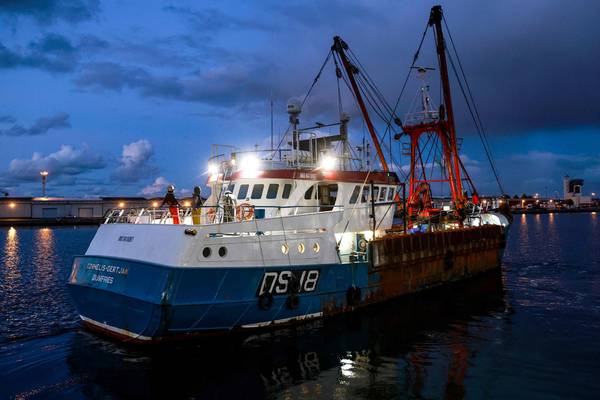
(144, 302)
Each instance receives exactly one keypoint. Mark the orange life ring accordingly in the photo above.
(244, 212)
(211, 213)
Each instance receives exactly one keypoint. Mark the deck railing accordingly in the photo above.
(203, 215)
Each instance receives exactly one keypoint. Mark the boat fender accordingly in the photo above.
(265, 301)
(293, 301)
(353, 296)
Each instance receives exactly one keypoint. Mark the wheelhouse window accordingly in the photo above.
(390, 194)
(243, 192)
(272, 191)
(287, 188)
(308, 193)
(365, 194)
(327, 196)
(375, 193)
(383, 194)
(355, 193)
(231, 187)
(257, 191)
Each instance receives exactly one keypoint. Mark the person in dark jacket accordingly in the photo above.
(172, 202)
(196, 205)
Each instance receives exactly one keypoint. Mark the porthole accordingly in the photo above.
(316, 247)
(301, 248)
(206, 252)
(285, 248)
(222, 251)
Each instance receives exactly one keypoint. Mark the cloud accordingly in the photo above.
(212, 20)
(134, 163)
(156, 188)
(224, 85)
(53, 53)
(64, 163)
(48, 11)
(40, 126)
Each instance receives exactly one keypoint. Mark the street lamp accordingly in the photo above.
(44, 175)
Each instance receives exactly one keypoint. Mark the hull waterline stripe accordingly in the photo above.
(280, 321)
(115, 329)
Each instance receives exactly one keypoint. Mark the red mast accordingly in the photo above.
(339, 46)
(442, 124)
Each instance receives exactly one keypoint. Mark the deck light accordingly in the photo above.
(213, 169)
(328, 163)
(249, 164)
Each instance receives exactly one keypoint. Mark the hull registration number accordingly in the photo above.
(285, 282)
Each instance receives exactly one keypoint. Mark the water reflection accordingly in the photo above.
(11, 258)
(399, 348)
(44, 259)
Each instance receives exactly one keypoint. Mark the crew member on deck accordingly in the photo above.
(172, 202)
(196, 205)
(228, 207)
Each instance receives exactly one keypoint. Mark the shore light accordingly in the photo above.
(121, 204)
(328, 163)
(44, 175)
(187, 204)
(12, 205)
(155, 204)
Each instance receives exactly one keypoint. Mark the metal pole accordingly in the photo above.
(373, 208)
(404, 213)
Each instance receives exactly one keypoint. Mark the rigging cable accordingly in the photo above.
(480, 129)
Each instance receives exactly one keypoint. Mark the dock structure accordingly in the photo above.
(64, 211)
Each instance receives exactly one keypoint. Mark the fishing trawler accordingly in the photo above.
(297, 232)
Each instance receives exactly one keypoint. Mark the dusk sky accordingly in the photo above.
(123, 97)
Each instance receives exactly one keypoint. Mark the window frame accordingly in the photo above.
(270, 195)
(285, 195)
(254, 188)
(245, 187)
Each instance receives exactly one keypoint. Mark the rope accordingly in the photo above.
(476, 118)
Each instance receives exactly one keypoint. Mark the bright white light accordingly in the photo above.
(328, 163)
(213, 169)
(249, 164)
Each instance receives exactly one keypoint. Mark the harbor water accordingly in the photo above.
(529, 331)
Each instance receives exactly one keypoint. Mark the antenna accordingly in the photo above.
(271, 104)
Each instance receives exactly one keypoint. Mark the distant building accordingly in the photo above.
(572, 189)
(59, 208)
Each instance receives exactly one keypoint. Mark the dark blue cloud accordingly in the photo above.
(48, 11)
(39, 127)
(53, 52)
